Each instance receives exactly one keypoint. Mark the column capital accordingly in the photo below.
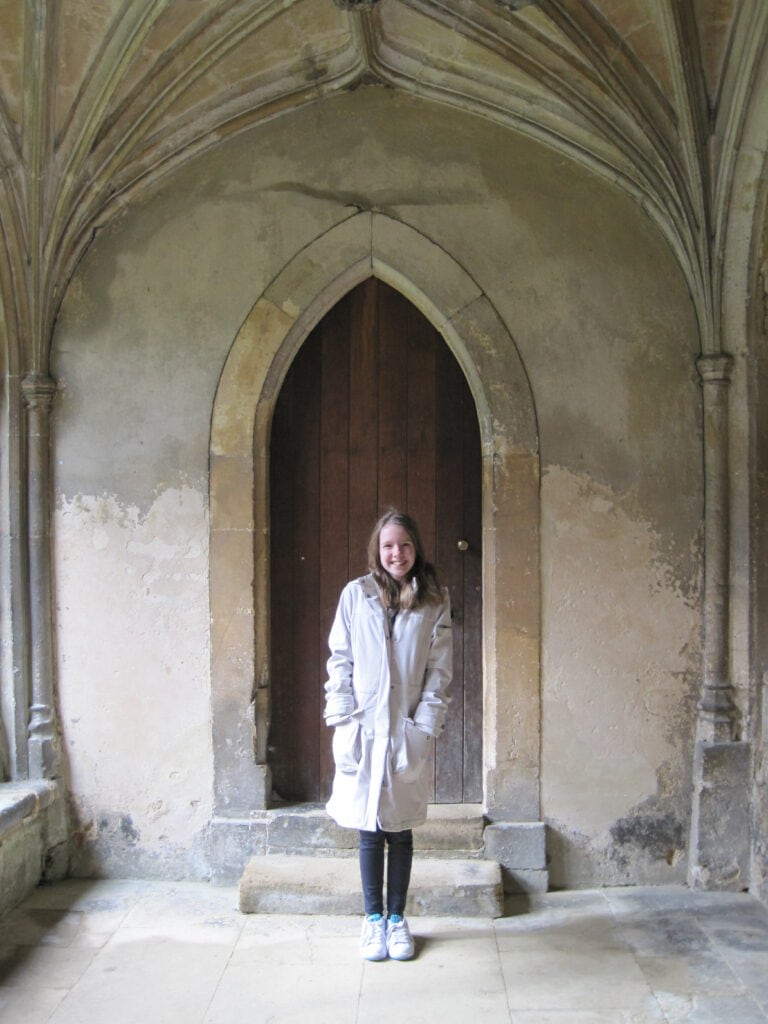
(38, 390)
(714, 367)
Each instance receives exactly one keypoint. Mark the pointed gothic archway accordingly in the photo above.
(374, 412)
(366, 245)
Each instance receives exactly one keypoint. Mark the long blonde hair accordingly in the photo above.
(422, 585)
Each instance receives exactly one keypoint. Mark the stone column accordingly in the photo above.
(717, 709)
(44, 753)
(719, 840)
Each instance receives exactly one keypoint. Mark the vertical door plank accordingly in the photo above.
(473, 618)
(333, 334)
(306, 708)
(363, 425)
(297, 474)
(450, 517)
(282, 581)
(421, 421)
(392, 402)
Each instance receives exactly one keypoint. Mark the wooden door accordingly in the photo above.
(374, 412)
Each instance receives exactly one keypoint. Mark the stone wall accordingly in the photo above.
(601, 319)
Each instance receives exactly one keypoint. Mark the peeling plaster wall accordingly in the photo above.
(133, 623)
(620, 668)
(604, 326)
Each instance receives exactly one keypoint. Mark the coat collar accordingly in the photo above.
(371, 592)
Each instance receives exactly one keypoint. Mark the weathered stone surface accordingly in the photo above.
(516, 844)
(34, 838)
(720, 854)
(520, 849)
(311, 829)
(331, 885)
(451, 831)
(232, 842)
(524, 880)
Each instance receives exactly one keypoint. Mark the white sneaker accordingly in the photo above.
(373, 940)
(400, 945)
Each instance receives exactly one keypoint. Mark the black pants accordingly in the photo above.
(399, 860)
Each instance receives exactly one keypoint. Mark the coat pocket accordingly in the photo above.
(411, 754)
(347, 746)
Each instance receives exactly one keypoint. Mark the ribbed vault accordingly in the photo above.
(100, 100)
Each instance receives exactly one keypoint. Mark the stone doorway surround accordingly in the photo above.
(310, 284)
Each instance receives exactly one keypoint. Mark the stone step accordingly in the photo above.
(453, 829)
(451, 832)
(278, 884)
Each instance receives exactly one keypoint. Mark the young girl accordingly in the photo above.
(386, 695)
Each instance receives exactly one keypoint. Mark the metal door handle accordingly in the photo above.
(463, 545)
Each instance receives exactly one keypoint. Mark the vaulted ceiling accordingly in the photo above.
(100, 98)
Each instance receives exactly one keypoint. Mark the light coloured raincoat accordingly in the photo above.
(386, 695)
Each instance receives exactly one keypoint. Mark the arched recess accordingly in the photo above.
(313, 281)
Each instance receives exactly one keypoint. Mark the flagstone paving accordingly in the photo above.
(134, 952)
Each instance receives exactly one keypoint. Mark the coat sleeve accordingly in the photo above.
(429, 715)
(339, 695)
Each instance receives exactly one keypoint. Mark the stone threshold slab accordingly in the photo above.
(276, 884)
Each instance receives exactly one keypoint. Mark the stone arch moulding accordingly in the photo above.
(311, 283)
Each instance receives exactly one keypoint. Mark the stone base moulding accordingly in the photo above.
(720, 825)
(520, 850)
(34, 838)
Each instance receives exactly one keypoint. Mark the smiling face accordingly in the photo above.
(397, 552)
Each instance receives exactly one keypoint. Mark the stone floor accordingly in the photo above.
(118, 952)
